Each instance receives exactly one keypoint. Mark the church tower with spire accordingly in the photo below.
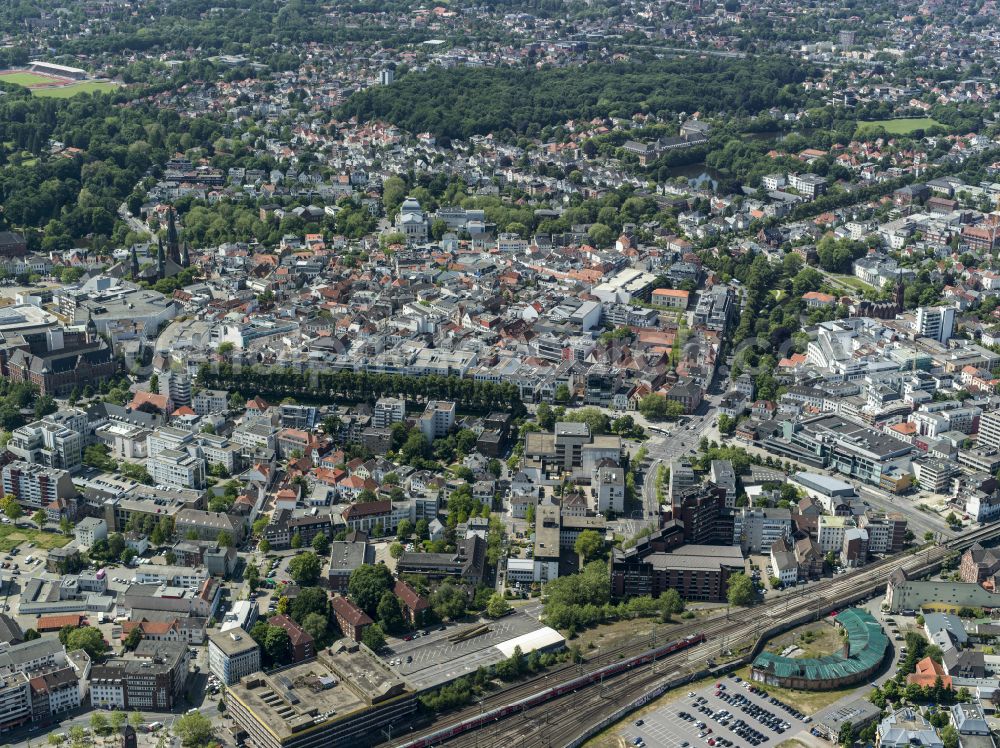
(135, 264)
(172, 243)
(898, 295)
(161, 261)
(185, 255)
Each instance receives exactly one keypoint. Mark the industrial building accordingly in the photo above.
(861, 656)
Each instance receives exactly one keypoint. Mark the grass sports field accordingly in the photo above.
(903, 126)
(26, 79)
(64, 92)
(53, 87)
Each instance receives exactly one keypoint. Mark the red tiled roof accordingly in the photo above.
(367, 509)
(409, 596)
(296, 633)
(350, 612)
(50, 623)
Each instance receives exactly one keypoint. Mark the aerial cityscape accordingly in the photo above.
(513, 374)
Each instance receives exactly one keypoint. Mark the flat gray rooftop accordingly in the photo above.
(438, 660)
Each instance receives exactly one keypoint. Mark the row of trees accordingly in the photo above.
(355, 386)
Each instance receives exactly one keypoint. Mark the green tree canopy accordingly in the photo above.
(740, 590)
(305, 569)
(367, 585)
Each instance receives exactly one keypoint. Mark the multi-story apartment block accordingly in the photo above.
(810, 185)
(715, 307)
(176, 386)
(352, 620)
(303, 647)
(989, 430)
(35, 486)
(886, 532)
(150, 679)
(207, 525)
(437, 420)
(830, 532)
(608, 490)
(15, 701)
(936, 322)
(388, 410)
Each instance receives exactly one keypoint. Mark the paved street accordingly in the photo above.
(917, 521)
(682, 439)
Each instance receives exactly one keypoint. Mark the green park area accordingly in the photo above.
(901, 126)
(12, 536)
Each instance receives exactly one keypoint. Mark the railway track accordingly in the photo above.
(536, 726)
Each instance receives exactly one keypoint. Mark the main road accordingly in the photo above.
(682, 439)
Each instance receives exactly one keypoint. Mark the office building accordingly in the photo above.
(89, 530)
(681, 478)
(206, 402)
(697, 572)
(345, 557)
(755, 530)
(232, 655)
(467, 563)
(175, 468)
(56, 441)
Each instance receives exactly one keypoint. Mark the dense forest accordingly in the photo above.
(77, 193)
(457, 103)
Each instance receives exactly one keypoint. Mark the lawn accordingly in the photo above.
(64, 92)
(25, 79)
(850, 280)
(11, 536)
(816, 639)
(902, 126)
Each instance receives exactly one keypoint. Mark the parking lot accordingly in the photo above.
(736, 718)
